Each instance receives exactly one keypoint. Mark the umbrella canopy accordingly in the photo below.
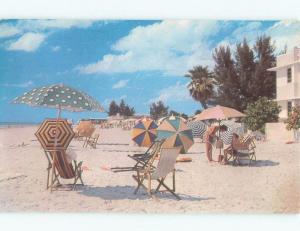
(198, 128)
(55, 134)
(59, 96)
(85, 128)
(226, 136)
(144, 132)
(233, 126)
(219, 113)
(176, 133)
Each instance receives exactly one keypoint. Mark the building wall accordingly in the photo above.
(283, 104)
(283, 113)
(277, 132)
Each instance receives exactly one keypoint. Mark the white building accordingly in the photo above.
(287, 81)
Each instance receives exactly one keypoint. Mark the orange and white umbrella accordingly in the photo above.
(176, 133)
(144, 132)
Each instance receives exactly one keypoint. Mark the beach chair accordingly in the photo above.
(88, 134)
(245, 149)
(165, 166)
(62, 168)
(92, 140)
(141, 159)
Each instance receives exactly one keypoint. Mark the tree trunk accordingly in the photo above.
(204, 105)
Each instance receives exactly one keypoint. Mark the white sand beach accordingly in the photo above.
(270, 186)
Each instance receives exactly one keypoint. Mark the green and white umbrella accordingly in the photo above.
(61, 97)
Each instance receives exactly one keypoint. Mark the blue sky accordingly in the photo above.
(138, 61)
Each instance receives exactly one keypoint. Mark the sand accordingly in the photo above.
(270, 186)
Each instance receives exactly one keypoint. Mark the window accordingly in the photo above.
(289, 75)
(289, 107)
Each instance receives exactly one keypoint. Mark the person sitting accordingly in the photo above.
(236, 144)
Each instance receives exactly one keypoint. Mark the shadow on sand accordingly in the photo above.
(126, 192)
(265, 163)
(259, 163)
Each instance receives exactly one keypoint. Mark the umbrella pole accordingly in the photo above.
(220, 149)
(55, 143)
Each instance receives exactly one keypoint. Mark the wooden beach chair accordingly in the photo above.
(165, 165)
(245, 149)
(62, 168)
(92, 140)
(141, 159)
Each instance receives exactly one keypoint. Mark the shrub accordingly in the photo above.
(261, 112)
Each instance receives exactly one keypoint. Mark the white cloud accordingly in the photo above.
(120, 84)
(33, 31)
(7, 30)
(20, 85)
(286, 32)
(28, 42)
(55, 48)
(174, 46)
(175, 93)
(170, 46)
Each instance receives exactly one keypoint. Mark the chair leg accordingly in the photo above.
(139, 181)
(159, 184)
(174, 180)
(48, 175)
(149, 184)
(170, 190)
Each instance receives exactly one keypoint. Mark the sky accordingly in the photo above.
(139, 61)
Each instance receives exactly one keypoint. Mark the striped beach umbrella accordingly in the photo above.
(198, 128)
(233, 126)
(144, 132)
(226, 136)
(55, 134)
(176, 133)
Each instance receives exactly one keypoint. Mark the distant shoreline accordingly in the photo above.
(17, 124)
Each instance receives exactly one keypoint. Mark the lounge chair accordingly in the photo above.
(141, 159)
(92, 140)
(165, 165)
(62, 168)
(245, 149)
(87, 134)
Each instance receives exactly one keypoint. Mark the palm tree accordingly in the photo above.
(201, 85)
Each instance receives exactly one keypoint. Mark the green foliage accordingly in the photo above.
(123, 109)
(175, 113)
(261, 112)
(201, 85)
(243, 78)
(113, 108)
(293, 120)
(158, 110)
(197, 112)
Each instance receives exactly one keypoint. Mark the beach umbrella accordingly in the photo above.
(55, 134)
(233, 126)
(198, 128)
(85, 128)
(144, 132)
(60, 97)
(226, 136)
(218, 113)
(176, 133)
